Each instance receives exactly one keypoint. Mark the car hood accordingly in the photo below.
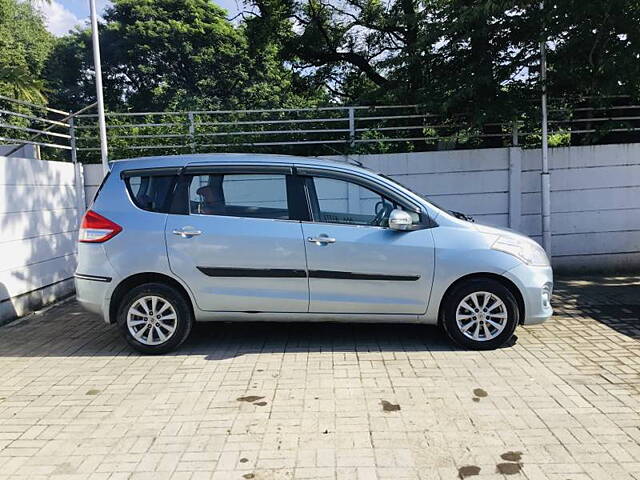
(497, 232)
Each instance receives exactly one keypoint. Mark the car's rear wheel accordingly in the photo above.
(480, 314)
(154, 318)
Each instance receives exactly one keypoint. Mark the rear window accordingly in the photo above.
(151, 192)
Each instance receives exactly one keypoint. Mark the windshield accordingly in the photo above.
(460, 215)
(415, 193)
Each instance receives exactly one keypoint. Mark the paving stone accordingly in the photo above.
(328, 401)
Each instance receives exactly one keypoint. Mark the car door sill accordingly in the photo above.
(215, 316)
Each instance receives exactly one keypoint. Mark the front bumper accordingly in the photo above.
(536, 286)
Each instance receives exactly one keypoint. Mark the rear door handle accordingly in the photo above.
(321, 240)
(184, 233)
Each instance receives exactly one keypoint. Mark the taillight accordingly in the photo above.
(97, 229)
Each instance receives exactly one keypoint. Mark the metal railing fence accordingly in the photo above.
(310, 131)
(356, 129)
(25, 123)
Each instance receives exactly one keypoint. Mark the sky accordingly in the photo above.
(63, 15)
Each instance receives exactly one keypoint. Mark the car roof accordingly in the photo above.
(228, 158)
(250, 158)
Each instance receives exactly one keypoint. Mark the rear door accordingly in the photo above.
(236, 239)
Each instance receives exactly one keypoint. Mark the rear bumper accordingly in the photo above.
(95, 278)
(536, 286)
(92, 293)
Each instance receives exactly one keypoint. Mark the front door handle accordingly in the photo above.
(321, 240)
(184, 233)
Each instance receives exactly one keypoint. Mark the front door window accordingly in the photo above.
(348, 203)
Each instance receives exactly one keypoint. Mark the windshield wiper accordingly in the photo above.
(461, 216)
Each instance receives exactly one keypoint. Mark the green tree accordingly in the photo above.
(478, 59)
(468, 54)
(451, 56)
(24, 46)
(173, 55)
(414, 51)
(69, 71)
(273, 83)
(595, 47)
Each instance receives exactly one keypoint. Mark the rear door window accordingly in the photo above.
(151, 192)
(240, 195)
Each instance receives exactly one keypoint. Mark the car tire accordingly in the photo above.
(480, 314)
(154, 332)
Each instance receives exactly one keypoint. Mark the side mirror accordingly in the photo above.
(400, 220)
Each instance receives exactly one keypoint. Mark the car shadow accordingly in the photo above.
(223, 340)
(66, 330)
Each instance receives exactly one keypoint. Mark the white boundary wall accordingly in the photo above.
(39, 215)
(93, 175)
(595, 198)
(471, 181)
(595, 204)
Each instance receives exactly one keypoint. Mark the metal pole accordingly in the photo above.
(545, 183)
(78, 172)
(72, 140)
(192, 132)
(352, 127)
(100, 100)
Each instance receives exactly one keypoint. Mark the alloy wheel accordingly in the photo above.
(152, 320)
(481, 316)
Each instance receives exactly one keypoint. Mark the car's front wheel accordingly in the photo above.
(480, 314)
(154, 318)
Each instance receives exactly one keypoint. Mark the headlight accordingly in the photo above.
(528, 251)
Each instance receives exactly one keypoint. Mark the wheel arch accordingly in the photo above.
(141, 278)
(479, 276)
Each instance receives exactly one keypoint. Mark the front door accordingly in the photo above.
(237, 242)
(356, 263)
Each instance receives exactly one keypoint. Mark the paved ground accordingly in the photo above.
(269, 401)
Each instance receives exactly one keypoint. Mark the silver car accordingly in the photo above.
(236, 237)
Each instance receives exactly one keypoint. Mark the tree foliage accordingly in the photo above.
(480, 57)
(24, 47)
(596, 47)
(174, 55)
